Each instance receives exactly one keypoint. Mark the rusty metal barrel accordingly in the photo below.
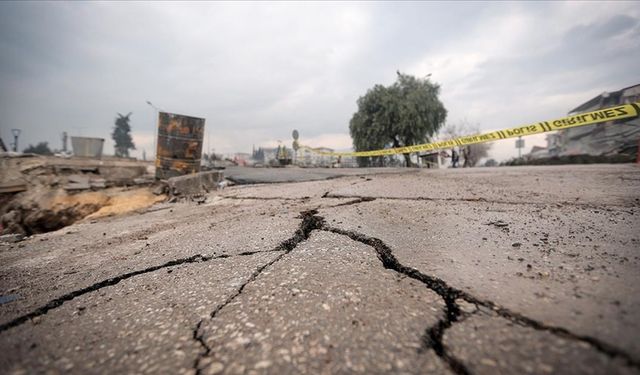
(179, 148)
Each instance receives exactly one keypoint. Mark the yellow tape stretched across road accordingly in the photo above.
(621, 112)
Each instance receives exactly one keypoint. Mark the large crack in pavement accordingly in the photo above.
(433, 336)
(310, 222)
(59, 301)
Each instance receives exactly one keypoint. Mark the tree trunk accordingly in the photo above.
(407, 159)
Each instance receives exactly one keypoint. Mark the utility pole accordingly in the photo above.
(519, 146)
(64, 141)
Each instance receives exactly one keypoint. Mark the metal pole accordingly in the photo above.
(520, 148)
(16, 134)
(155, 128)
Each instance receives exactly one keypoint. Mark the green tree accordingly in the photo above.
(122, 137)
(41, 148)
(406, 113)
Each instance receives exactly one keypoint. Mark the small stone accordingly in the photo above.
(488, 362)
(326, 307)
(466, 306)
(213, 368)
(262, 365)
(546, 368)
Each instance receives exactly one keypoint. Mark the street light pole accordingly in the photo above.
(16, 134)
(155, 128)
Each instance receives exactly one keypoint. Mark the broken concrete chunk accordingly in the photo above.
(78, 182)
(98, 183)
(195, 184)
(12, 238)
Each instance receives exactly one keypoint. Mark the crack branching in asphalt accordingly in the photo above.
(310, 222)
(433, 335)
(432, 339)
(57, 302)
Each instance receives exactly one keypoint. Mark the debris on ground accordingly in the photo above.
(41, 194)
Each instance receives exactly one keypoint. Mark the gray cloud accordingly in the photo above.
(257, 70)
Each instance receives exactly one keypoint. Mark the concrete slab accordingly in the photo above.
(614, 185)
(493, 345)
(141, 325)
(327, 307)
(50, 265)
(571, 267)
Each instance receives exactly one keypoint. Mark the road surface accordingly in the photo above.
(477, 271)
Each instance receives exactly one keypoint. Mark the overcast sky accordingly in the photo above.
(256, 71)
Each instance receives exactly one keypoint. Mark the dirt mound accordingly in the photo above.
(40, 211)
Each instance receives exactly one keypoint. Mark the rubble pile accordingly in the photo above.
(41, 194)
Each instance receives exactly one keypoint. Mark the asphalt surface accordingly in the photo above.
(248, 176)
(481, 271)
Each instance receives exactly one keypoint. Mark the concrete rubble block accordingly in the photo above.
(78, 182)
(13, 186)
(12, 238)
(197, 183)
(122, 174)
(98, 183)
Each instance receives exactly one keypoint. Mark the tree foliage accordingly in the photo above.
(41, 148)
(122, 137)
(473, 152)
(406, 113)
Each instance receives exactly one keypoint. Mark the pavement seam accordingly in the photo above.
(434, 335)
(355, 201)
(59, 301)
(310, 222)
(236, 197)
(482, 200)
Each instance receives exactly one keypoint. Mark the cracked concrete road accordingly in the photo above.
(508, 270)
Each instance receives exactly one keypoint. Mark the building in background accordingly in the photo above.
(309, 158)
(608, 138)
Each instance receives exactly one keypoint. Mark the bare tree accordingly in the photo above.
(471, 153)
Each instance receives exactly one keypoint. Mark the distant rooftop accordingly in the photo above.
(603, 100)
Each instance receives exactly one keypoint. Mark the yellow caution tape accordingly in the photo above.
(621, 112)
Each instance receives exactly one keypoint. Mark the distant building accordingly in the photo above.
(242, 159)
(309, 158)
(538, 152)
(601, 139)
(265, 155)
